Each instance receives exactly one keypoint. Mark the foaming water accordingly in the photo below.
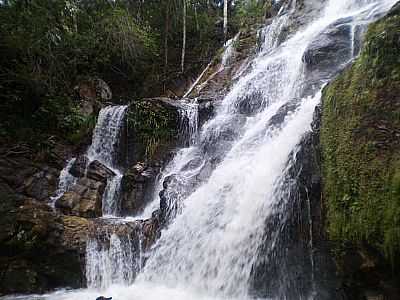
(231, 181)
(105, 141)
(65, 182)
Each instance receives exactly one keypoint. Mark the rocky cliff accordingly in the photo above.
(361, 164)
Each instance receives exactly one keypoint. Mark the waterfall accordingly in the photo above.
(65, 182)
(212, 243)
(188, 127)
(105, 141)
(189, 122)
(104, 148)
(226, 196)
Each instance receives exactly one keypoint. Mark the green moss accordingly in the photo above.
(360, 142)
(154, 126)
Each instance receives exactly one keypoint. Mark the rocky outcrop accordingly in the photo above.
(361, 159)
(152, 130)
(33, 256)
(92, 92)
(137, 186)
(302, 233)
(85, 197)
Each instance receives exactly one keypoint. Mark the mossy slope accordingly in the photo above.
(360, 138)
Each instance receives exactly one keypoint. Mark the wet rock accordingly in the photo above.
(324, 55)
(75, 233)
(206, 109)
(33, 258)
(153, 130)
(278, 268)
(78, 168)
(137, 185)
(84, 199)
(99, 172)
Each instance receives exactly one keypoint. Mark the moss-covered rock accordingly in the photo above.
(152, 129)
(360, 138)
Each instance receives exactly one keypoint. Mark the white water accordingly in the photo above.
(209, 249)
(189, 127)
(65, 182)
(104, 148)
(229, 51)
(117, 262)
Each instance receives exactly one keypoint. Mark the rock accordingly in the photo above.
(78, 168)
(99, 172)
(137, 185)
(75, 233)
(84, 199)
(92, 92)
(33, 258)
(323, 56)
(360, 163)
(42, 184)
(153, 130)
(206, 109)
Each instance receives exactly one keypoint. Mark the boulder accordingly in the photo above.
(84, 199)
(324, 55)
(42, 184)
(78, 168)
(99, 172)
(33, 256)
(137, 186)
(153, 130)
(75, 233)
(92, 92)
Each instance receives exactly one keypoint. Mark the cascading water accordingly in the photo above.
(230, 190)
(65, 182)
(104, 148)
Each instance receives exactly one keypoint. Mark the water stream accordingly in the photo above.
(233, 178)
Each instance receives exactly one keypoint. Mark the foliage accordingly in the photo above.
(250, 12)
(46, 47)
(360, 140)
(153, 125)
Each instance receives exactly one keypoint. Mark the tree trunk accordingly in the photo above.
(225, 20)
(184, 37)
(166, 35)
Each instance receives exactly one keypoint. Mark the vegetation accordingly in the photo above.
(152, 125)
(48, 46)
(360, 140)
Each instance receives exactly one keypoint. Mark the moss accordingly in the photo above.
(154, 126)
(360, 141)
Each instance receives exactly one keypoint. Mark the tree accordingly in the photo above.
(184, 37)
(225, 20)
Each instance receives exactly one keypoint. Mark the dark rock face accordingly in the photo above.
(303, 234)
(99, 172)
(33, 256)
(361, 158)
(324, 56)
(137, 186)
(41, 184)
(36, 252)
(78, 169)
(84, 199)
(91, 93)
(152, 130)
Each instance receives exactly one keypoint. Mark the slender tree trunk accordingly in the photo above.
(184, 37)
(225, 20)
(166, 35)
(196, 18)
